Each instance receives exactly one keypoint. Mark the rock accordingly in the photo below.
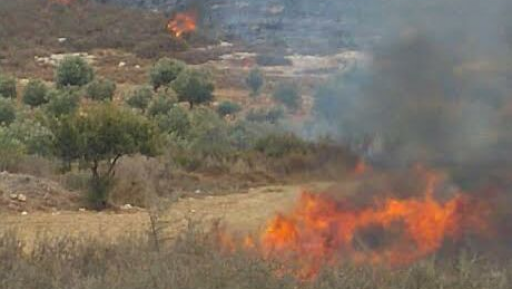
(122, 64)
(137, 67)
(126, 207)
(198, 192)
(24, 213)
(82, 210)
(62, 39)
(13, 196)
(21, 198)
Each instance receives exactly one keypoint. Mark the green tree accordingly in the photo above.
(35, 94)
(7, 112)
(7, 86)
(163, 102)
(101, 89)
(99, 137)
(73, 71)
(287, 94)
(176, 121)
(62, 102)
(165, 71)
(227, 108)
(194, 86)
(255, 81)
(140, 97)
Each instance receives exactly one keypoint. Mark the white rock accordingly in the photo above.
(126, 207)
(22, 198)
(13, 196)
(82, 210)
(62, 39)
(198, 192)
(122, 64)
(137, 66)
(24, 213)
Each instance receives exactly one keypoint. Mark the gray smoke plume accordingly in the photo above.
(438, 88)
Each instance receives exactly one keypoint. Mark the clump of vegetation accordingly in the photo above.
(140, 98)
(7, 86)
(175, 121)
(165, 71)
(287, 94)
(7, 112)
(163, 102)
(273, 115)
(194, 86)
(101, 89)
(62, 102)
(255, 81)
(272, 60)
(35, 94)
(228, 108)
(73, 71)
(278, 145)
(98, 138)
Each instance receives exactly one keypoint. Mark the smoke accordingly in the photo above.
(438, 88)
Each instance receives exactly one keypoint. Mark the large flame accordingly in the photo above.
(183, 22)
(322, 230)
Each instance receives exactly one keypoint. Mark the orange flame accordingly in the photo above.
(322, 231)
(183, 22)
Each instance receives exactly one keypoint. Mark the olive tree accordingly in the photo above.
(194, 86)
(35, 94)
(165, 71)
(101, 89)
(7, 86)
(255, 81)
(98, 137)
(73, 71)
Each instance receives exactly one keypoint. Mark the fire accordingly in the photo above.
(322, 230)
(183, 22)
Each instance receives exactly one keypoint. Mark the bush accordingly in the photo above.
(287, 94)
(255, 81)
(73, 71)
(62, 102)
(162, 103)
(7, 86)
(140, 97)
(273, 115)
(194, 86)
(209, 134)
(11, 150)
(35, 137)
(278, 145)
(175, 122)
(272, 60)
(7, 112)
(165, 71)
(35, 94)
(227, 108)
(101, 89)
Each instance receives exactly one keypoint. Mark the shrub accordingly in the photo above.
(228, 107)
(175, 122)
(99, 138)
(35, 137)
(62, 102)
(73, 71)
(273, 115)
(7, 112)
(163, 102)
(35, 94)
(255, 81)
(11, 150)
(101, 89)
(194, 86)
(7, 86)
(140, 97)
(278, 145)
(287, 94)
(208, 134)
(165, 71)
(272, 60)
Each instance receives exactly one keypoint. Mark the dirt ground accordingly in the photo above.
(243, 213)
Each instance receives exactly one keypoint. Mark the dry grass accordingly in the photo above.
(195, 261)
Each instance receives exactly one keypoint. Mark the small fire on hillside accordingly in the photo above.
(182, 22)
(323, 230)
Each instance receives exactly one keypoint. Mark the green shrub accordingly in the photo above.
(7, 86)
(73, 71)
(278, 145)
(165, 71)
(36, 137)
(11, 150)
(255, 81)
(287, 94)
(162, 103)
(7, 112)
(208, 134)
(273, 115)
(176, 122)
(62, 102)
(194, 86)
(35, 94)
(228, 107)
(140, 97)
(101, 89)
